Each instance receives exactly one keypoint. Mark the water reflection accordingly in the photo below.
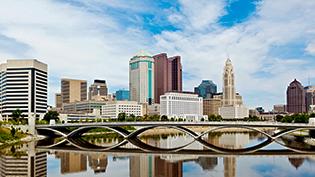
(25, 161)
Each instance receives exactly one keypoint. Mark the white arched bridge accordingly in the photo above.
(73, 132)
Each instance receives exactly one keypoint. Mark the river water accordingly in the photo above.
(32, 161)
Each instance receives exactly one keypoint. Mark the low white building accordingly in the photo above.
(233, 112)
(112, 109)
(186, 106)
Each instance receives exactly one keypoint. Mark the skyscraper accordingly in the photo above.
(232, 104)
(167, 75)
(228, 84)
(206, 89)
(309, 97)
(296, 97)
(141, 78)
(73, 90)
(23, 86)
(98, 88)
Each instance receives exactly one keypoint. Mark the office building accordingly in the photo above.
(232, 107)
(73, 90)
(211, 106)
(58, 100)
(296, 98)
(98, 89)
(309, 97)
(280, 108)
(23, 86)
(206, 89)
(141, 78)
(83, 107)
(167, 75)
(122, 95)
(187, 106)
(112, 109)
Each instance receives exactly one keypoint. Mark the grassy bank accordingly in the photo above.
(7, 136)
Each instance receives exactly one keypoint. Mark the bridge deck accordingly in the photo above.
(166, 124)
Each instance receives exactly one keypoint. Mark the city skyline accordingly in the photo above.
(266, 46)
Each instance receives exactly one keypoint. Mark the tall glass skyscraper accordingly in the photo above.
(206, 89)
(141, 78)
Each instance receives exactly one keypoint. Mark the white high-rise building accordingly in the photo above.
(186, 106)
(231, 108)
(141, 78)
(23, 86)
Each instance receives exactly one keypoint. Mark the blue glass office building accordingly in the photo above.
(206, 89)
(122, 95)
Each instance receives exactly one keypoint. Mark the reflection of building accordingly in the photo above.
(229, 166)
(24, 166)
(206, 89)
(23, 86)
(141, 166)
(207, 163)
(296, 162)
(141, 78)
(230, 108)
(71, 162)
(73, 90)
(296, 97)
(98, 163)
(164, 168)
(167, 76)
(181, 105)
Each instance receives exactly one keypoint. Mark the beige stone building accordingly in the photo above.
(58, 100)
(211, 106)
(73, 90)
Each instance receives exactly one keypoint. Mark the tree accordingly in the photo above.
(51, 115)
(122, 116)
(16, 115)
(164, 118)
(279, 118)
(13, 131)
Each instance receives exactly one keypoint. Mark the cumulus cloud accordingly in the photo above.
(93, 39)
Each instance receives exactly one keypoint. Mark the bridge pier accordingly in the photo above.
(312, 133)
(31, 125)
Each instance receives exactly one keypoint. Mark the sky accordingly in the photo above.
(269, 42)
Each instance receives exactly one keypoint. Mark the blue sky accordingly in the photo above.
(269, 42)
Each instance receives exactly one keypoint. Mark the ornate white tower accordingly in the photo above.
(228, 84)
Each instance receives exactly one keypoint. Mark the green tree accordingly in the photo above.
(122, 116)
(16, 115)
(13, 131)
(164, 118)
(51, 115)
(279, 118)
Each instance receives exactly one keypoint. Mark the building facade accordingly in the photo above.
(23, 86)
(206, 89)
(112, 109)
(296, 98)
(186, 106)
(73, 90)
(83, 107)
(98, 88)
(141, 78)
(168, 75)
(122, 95)
(280, 108)
(211, 106)
(58, 100)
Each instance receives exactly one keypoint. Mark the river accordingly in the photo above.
(30, 161)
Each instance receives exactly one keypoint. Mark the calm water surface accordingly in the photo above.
(75, 164)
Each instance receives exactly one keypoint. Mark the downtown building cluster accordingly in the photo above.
(155, 88)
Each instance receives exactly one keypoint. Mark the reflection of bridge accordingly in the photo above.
(73, 132)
